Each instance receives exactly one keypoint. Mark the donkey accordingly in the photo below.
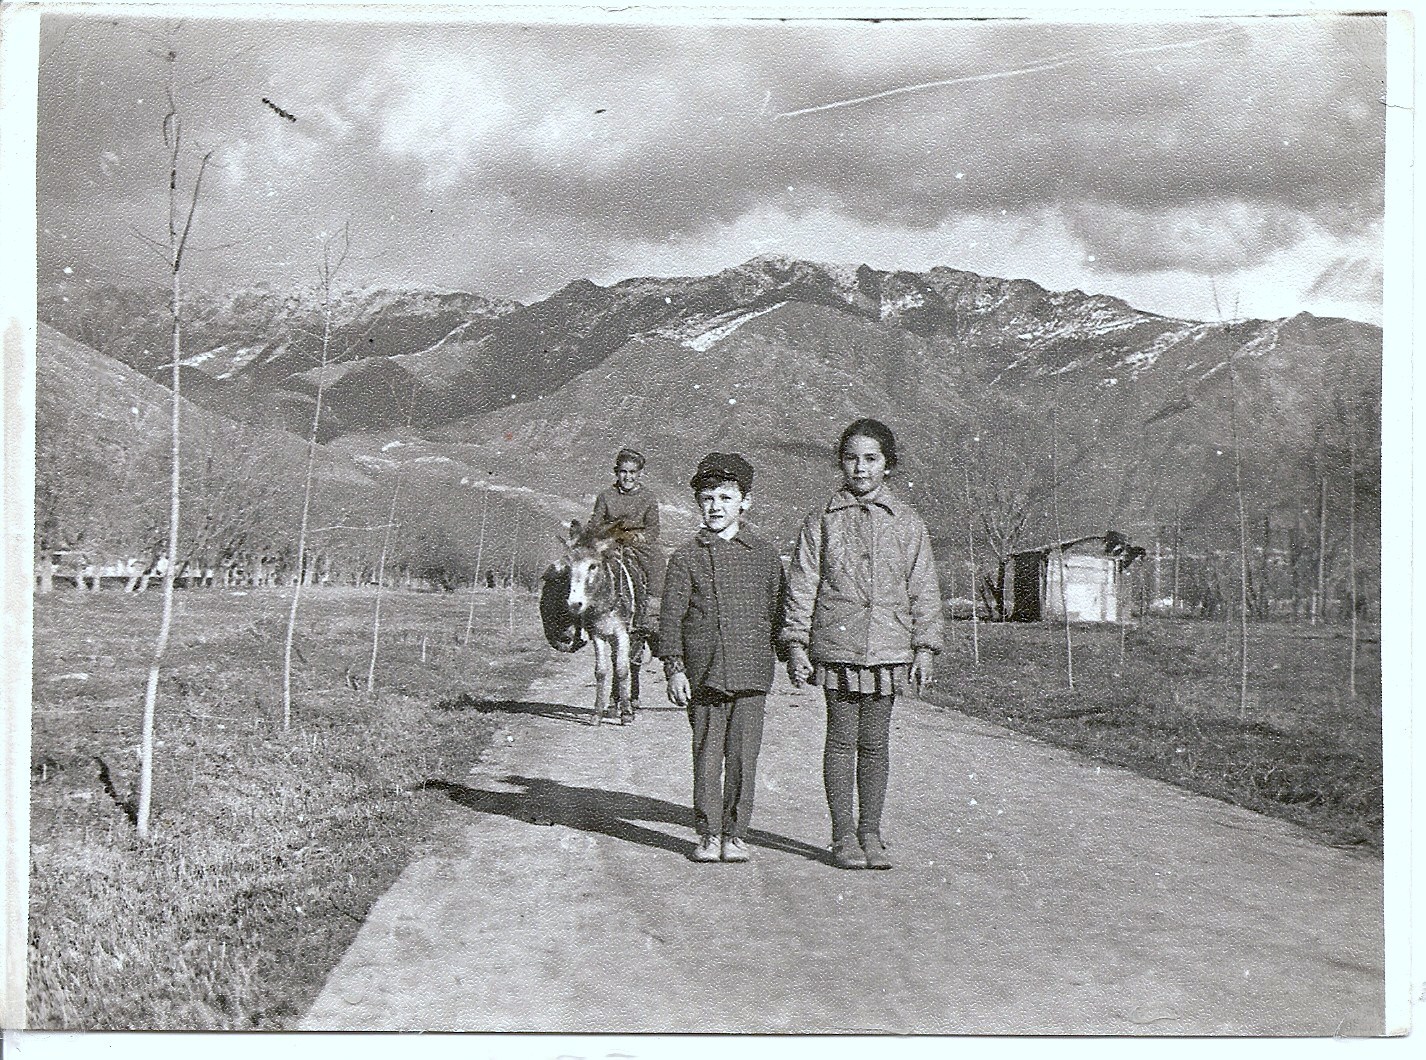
(598, 589)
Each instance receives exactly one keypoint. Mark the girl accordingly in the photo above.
(864, 623)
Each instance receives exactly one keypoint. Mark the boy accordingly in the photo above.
(722, 608)
(631, 509)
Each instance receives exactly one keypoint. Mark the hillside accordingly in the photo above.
(102, 480)
(997, 381)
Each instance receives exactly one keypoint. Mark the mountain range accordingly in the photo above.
(1067, 411)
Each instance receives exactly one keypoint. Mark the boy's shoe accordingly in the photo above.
(708, 849)
(875, 852)
(848, 854)
(735, 849)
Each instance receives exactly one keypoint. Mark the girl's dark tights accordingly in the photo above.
(857, 756)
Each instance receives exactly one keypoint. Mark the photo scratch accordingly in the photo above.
(1055, 63)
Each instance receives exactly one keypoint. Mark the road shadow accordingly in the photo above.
(557, 711)
(611, 813)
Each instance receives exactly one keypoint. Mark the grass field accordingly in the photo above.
(268, 846)
(1304, 751)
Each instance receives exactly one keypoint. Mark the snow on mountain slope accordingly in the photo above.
(701, 333)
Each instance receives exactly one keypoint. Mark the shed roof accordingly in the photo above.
(1115, 544)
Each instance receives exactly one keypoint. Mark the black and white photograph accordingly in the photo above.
(706, 522)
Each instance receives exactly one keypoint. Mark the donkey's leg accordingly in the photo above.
(601, 678)
(636, 654)
(621, 674)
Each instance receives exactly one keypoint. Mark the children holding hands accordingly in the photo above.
(859, 615)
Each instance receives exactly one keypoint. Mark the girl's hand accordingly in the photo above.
(679, 692)
(923, 669)
(799, 666)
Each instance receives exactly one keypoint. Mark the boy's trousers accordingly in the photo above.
(727, 733)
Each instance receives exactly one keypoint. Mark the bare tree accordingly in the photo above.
(1320, 596)
(1352, 525)
(1119, 606)
(1242, 517)
(327, 270)
(381, 563)
(178, 232)
(381, 587)
(1177, 546)
(1058, 551)
(974, 576)
(1003, 490)
(514, 551)
(479, 552)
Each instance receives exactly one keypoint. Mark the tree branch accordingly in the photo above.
(192, 206)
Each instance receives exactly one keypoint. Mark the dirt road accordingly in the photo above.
(1034, 892)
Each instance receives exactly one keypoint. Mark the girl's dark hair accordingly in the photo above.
(877, 432)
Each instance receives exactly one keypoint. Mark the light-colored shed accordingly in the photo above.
(1093, 572)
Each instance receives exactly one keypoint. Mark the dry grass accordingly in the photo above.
(1305, 752)
(268, 846)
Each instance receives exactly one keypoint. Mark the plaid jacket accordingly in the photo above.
(722, 608)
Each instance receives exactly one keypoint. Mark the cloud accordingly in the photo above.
(510, 158)
(1198, 238)
(1348, 278)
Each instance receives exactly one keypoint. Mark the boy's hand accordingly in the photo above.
(679, 692)
(923, 669)
(799, 666)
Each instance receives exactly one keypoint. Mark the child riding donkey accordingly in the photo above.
(628, 512)
(598, 591)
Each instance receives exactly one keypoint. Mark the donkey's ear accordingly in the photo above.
(572, 532)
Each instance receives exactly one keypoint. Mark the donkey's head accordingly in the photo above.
(589, 587)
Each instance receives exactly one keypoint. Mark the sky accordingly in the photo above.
(1167, 164)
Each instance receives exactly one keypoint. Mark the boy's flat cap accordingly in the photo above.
(723, 467)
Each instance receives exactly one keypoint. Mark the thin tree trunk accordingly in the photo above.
(1158, 589)
(1119, 607)
(1177, 544)
(1295, 564)
(479, 550)
(1265, 594)
(381, 588)
(1059, 537)
(514, 548)
(1352, 527)
(974, 578)
(1319, 602)
(328, 268)
(952, 634)
(177, 242)
(381, 565)
(1242, 541)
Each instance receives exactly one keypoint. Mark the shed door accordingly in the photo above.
(1025, 579)
(1089, 588)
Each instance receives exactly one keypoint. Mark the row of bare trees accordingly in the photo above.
(101, 516)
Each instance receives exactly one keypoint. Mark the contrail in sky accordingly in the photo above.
(1052, 64)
